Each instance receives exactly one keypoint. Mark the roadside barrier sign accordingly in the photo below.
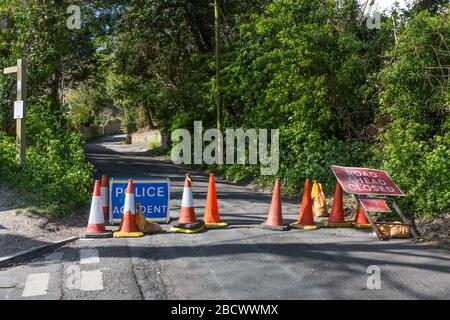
(374, 205)
(153, 195)
(372, 188)
(363, 181)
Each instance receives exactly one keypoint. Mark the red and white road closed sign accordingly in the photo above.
(362, 181)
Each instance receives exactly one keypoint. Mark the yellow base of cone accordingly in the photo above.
(120, 234)
(362, 226)
(216, 225)
(296, 225)
(347, 224)
(183, 230)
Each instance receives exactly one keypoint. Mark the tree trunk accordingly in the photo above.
(54, 91)
(148, 117)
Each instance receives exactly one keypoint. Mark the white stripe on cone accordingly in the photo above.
(187, 202)
(96, 214)
(129, 204)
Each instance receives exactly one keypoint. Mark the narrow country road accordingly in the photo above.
(240, 262)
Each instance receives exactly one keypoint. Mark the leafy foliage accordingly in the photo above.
(55, 175)
(416, 145)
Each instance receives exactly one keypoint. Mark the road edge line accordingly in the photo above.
(27, 255)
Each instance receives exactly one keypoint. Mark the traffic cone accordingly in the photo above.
(211, 217)
(128, 226)
(105, 198)
(305, 217)
(360, 219)
(274, 219)
(96, 224)
(187, 221)
(336, 219)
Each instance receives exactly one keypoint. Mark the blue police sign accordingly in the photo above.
(153, 195)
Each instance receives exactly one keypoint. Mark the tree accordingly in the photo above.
(416, 86)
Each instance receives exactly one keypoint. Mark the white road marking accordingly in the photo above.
(73, 279)
(91, 280)
(88, 256)
(84, 280)
(36, 285)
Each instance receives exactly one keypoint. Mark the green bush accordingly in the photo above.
(416, 145)
(7, 156)
(55, 177)
(303, 66)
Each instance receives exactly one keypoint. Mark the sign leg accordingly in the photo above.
(407, 221)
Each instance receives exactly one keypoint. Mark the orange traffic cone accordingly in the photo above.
(96, 224)
(211, 218)
(360, 219)
(128, 226)
(305, 217)
(187, 221)
(274, 219)
(105, 197)
(336, 219)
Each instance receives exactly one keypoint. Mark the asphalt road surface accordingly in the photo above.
(240, 262)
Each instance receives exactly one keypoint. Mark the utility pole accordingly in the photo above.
(218, 84)
(20, 107)
(218, 64)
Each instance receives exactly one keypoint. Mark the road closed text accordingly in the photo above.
(365, 181)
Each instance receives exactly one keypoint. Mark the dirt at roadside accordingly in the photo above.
(436, 230)
(22, 230)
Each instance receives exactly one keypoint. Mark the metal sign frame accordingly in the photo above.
(378, 196)
(406, 221)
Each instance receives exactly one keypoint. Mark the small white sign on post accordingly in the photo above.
(18, 110)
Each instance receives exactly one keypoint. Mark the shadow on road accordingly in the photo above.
(336, 252)
(13, 243)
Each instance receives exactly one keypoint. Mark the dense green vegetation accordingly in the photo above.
(416, 81)
(339, 92)
(55, 176)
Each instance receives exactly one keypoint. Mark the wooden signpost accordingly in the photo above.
(372, 188)
(20, 107)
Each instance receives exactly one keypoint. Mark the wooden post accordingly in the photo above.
(21, 96)
(21, 140)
